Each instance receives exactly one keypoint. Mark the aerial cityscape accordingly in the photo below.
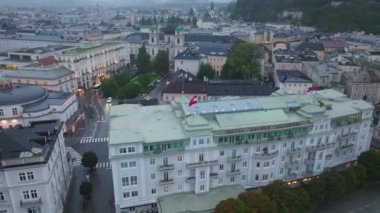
(179, 106)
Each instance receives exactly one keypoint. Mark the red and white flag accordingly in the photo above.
(311, 90)
(193, 101)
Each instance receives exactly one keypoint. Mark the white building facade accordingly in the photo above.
(22, 105)
(251, 142)
(37, 181)
(91, 62)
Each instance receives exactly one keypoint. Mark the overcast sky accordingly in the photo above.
(38, 3)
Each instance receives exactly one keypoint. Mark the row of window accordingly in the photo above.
(129, 181)
(28, 176)
(130, 194)
(125, 150)
(128, 164)
(14, 111)
(30, 194)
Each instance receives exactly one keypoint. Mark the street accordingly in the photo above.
(366, 200)
(95, 138)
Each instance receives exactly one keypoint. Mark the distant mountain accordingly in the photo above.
(73, 3)
(346, 15)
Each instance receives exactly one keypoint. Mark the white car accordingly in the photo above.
(109, 100)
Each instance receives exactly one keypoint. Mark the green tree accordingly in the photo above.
(122, 79)
(205, 70)
(230, 205)
(243, 62)
(354, 178)
(85, 189)
(143, 61)
(161, 62)
(327, 188)
(258, 202)
(370, 160)
(109, 87)
(129, 91)
(287, 199)
(89, 160)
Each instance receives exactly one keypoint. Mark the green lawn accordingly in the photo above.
(145, 79)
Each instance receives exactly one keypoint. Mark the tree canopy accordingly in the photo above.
(230, 205)
(370, 160)
(243, 62)
(131, 90)
(85, 189)
(89, 159)
(205, 70)
(143, 61)
(161, 62)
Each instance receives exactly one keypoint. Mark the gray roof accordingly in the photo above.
(21, 95)
(214, 49)
(293, 76)
(53, 98)
(14, 142)
(49, 74)
(239, 88)
(138, 38)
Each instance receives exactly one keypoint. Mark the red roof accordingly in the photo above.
(47, 61)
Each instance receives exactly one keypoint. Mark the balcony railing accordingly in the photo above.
(294, 150)
(232, 173)
(201, 164)
(309, 161)
(291, 163)
(266, 155)
(29, 203)
(348, 136)
(166, 182)
(289, 177)
(321, 146)
(190, 180)
(234, 158)
(345, 146)
(214, 175)
(166, 167)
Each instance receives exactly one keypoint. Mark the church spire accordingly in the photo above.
(212, 4)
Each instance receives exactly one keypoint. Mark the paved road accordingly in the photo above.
(95, 138)
(367, 200)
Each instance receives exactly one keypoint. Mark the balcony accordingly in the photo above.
(30, 203)
(214, 175)
(190, 180)
(201, 164)
(166, 167)
(345, 147)
(348, 136)
(294, 150)
(319, 147)
(166, 182)
(289, 177)
(309, 161)
(234, 158)
(291, 163)
(233, 173)
(266, 155)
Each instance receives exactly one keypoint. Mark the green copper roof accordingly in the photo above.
(154, 27)
(179, 28)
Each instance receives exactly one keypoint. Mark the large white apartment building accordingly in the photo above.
(93, 61)
(162, 152)
(35, 174)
